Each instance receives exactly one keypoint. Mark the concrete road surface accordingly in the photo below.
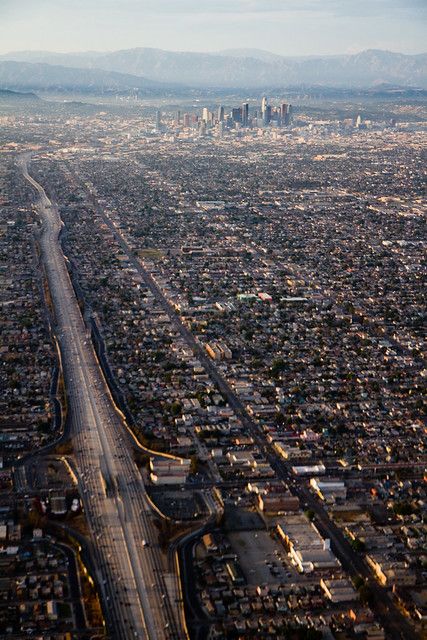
(131, 570)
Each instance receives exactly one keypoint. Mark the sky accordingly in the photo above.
(288, 27)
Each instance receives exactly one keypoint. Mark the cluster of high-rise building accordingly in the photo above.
(243, 116)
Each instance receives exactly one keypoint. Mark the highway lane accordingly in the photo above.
(131, 574)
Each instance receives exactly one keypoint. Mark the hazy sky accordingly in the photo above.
(291, 27)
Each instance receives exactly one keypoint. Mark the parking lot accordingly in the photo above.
(261, 558)
(179, 505)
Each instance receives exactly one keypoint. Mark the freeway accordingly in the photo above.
(138, 593)
(395, 624)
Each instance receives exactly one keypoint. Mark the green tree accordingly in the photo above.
(278, 365)
(365, 594)
(176, 408)
(403, 508)
(194, 464)
(358, 582)
(358, 545)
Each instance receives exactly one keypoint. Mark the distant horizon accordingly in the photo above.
(212, 51)
(284, 27)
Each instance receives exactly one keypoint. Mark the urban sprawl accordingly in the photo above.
(251, 284)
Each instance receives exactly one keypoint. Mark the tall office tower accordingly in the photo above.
(206, 116)
(202, 129)
(236, 114)
(158, 120)
(267, 114)
(178, 117)
(264, 103)
(286, 114)
(221, 129)
(245, 114)
(220, 113)
(283, 112)
(186, 120)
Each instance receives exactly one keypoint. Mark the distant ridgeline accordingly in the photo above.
(151, 71)
(17, 95)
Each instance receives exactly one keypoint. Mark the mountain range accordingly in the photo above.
(6, 94)
(151, 69)
(42, 76)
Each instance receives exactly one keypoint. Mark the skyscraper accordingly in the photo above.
(283, 112)
(207, 116)
(286, 114)
(267, 114)
(236, 114)
(220, 113)
(245, 114)
(158, 120)
(264, 103)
